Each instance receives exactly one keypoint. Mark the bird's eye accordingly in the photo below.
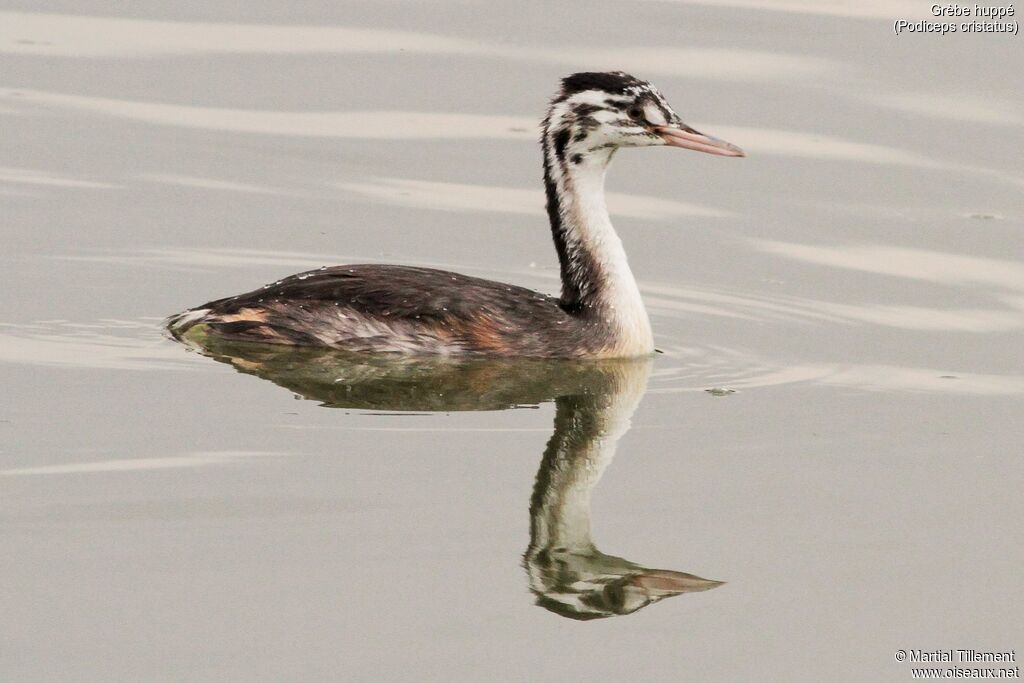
(636, 113)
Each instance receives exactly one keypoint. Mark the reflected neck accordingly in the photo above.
(587, 431)
(597, 282)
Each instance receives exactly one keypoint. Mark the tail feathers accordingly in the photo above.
(179, 324)
(192, 327)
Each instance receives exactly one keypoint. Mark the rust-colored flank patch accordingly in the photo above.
(485, 335)
(255, 315)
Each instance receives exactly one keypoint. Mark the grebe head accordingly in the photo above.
(595, 113)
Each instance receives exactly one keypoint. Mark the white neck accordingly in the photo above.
(596, 277)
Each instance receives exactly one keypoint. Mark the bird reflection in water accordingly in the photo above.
(594, 401)
(568, 574)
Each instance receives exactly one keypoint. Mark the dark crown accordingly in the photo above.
(612, 82)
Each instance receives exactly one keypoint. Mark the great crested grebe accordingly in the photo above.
(404, 309)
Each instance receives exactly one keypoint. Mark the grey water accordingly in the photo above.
(852, 293)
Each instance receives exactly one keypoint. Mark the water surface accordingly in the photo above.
(857, 282)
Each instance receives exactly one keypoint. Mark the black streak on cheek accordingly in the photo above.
(585, 110)
(561, 141)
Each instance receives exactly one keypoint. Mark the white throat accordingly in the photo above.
(609, 288)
